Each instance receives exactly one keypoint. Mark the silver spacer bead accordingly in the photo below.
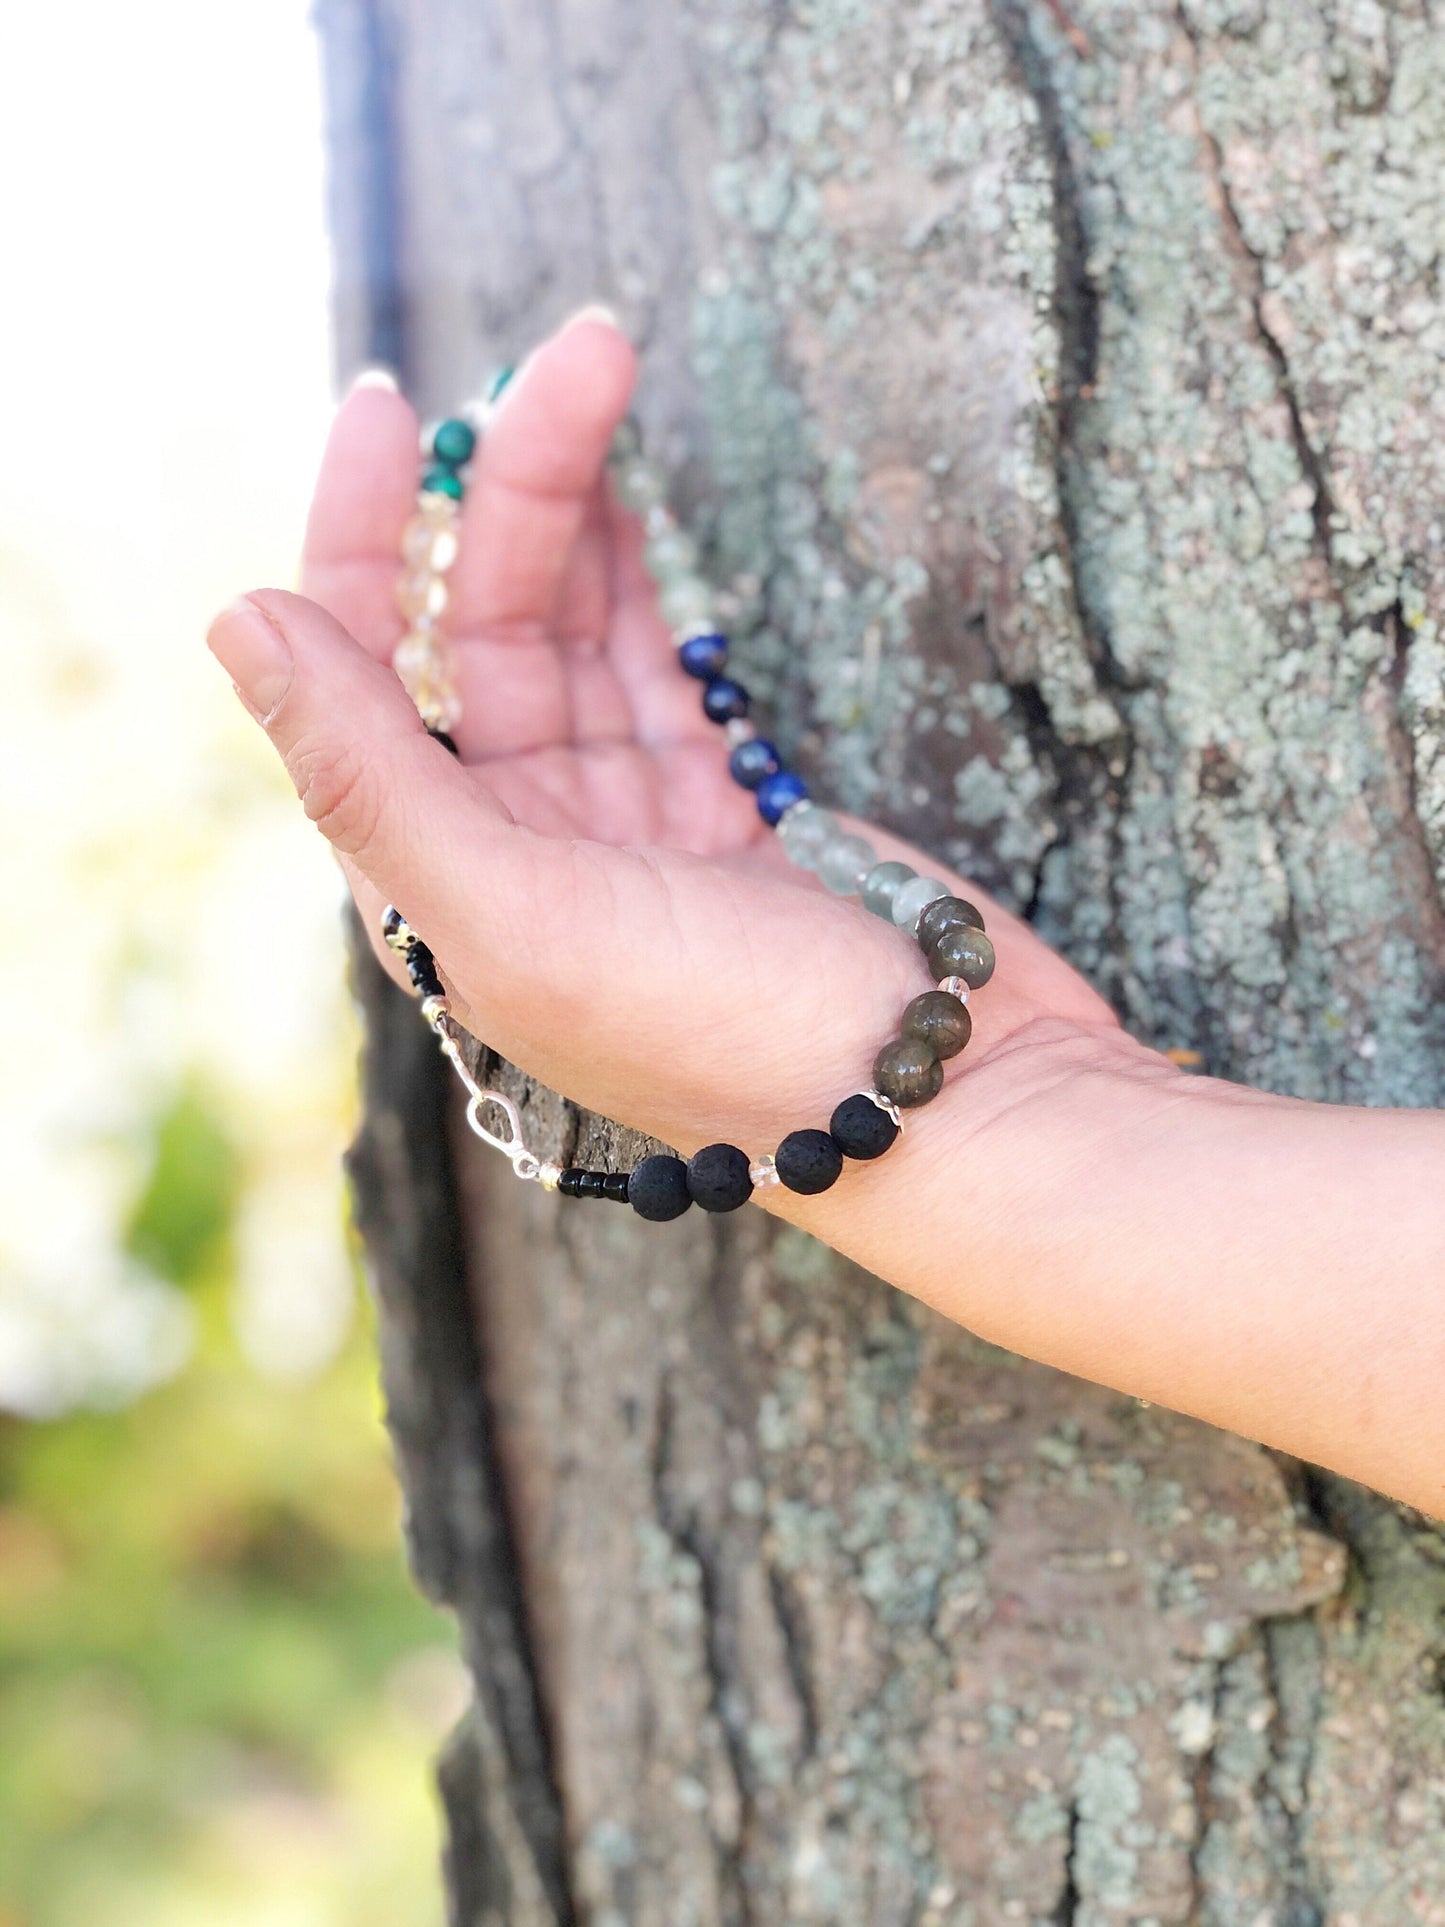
(738, 730)
(548, 1175)
(956, 987)
(764, 1173)
(435, 1009)
(885, 1104)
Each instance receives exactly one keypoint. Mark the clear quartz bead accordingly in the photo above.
(956, 987)
(738, 729)
(417, 659)
(439, 706)
(844, 862)
(429, 545)
(421, 593)
(764, 1172)
(441, 511)
(913, 898)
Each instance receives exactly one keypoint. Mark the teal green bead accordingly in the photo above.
(454, 442)
(881, 886)
(442, 481)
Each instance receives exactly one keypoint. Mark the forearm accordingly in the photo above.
(1270, 1266)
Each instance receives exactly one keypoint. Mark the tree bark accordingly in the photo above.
(1057, 388)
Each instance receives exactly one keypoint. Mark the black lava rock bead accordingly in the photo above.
(860, 1128)
(657, 1188)
(717, 1177)
(943, 914)
(808, 1161)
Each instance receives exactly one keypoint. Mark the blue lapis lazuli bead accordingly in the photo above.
(753, 762)
(779, 793)
(703, 656)
(723, 699)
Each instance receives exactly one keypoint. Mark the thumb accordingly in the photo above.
(386, 796)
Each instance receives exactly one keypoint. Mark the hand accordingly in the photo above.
(608, 910)
(606, 905)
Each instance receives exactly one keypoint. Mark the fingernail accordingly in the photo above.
(254, 654)
(596, 311)
(375, 378)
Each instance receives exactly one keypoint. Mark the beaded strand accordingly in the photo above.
(907, 1071)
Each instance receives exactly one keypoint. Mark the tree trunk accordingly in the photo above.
(1059, 394)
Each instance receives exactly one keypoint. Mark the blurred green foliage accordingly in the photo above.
(188, 1201)
(219, 1694)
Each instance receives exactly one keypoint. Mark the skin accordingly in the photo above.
(609, 911)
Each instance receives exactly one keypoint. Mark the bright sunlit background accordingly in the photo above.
(218, 1694)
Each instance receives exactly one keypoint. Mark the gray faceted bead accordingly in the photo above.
(845, 861)
(881, 886)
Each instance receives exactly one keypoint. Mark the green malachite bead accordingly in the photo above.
(453, 443)
(442, 481)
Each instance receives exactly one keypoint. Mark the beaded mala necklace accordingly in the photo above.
(907, 1072)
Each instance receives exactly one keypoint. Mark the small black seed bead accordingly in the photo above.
(908, 1072)
(447, 742)
(718, 1177)
(570, 1180)
(808, 1161)
(938, 1020)
(592, 1184)
(614, 1186)
(657, 1188)
(945, 913)
(423, 972)
(962, 953)
(860, 1128)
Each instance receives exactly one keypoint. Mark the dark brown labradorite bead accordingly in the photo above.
(938, 1020)
(908, 1072)
(946, 913)
(962, 953)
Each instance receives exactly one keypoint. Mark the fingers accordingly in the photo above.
(537, 468)
(388, 798)
(365, 492)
